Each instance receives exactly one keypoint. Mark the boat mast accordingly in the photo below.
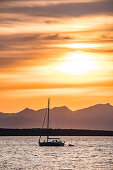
(48, 121)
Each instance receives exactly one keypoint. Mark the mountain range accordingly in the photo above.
(97, 117)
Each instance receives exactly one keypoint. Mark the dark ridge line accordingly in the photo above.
(53, 132)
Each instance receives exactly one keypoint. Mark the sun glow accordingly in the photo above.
(78, 63)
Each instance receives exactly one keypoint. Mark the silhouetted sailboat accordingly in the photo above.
(50, 141)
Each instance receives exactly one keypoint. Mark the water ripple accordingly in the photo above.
(88, 153)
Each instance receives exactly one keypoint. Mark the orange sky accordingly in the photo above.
(57, 49)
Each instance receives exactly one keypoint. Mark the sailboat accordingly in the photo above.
(49, 141)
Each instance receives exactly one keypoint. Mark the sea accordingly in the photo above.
(88, 153)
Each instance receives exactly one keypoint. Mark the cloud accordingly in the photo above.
(32, 37)
(63, 10)
(56, 37)
(19, 38)
(22, 42)
(11, 61)
(6, 20)
(40, 85)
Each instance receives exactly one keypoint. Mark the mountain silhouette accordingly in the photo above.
(97, 117)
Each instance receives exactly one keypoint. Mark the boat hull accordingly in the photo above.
(51, 144)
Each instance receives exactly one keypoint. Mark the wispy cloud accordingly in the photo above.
(63, 10)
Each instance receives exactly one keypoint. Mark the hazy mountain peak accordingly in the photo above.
(108, 104)
(26, 110)
(101, 105)
(99, 116)
(61, 108)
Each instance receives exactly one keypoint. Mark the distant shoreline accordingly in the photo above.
(53, 132)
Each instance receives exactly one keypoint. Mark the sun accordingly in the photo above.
(78, 63)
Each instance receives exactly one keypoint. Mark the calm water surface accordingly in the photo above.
(23, 153)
